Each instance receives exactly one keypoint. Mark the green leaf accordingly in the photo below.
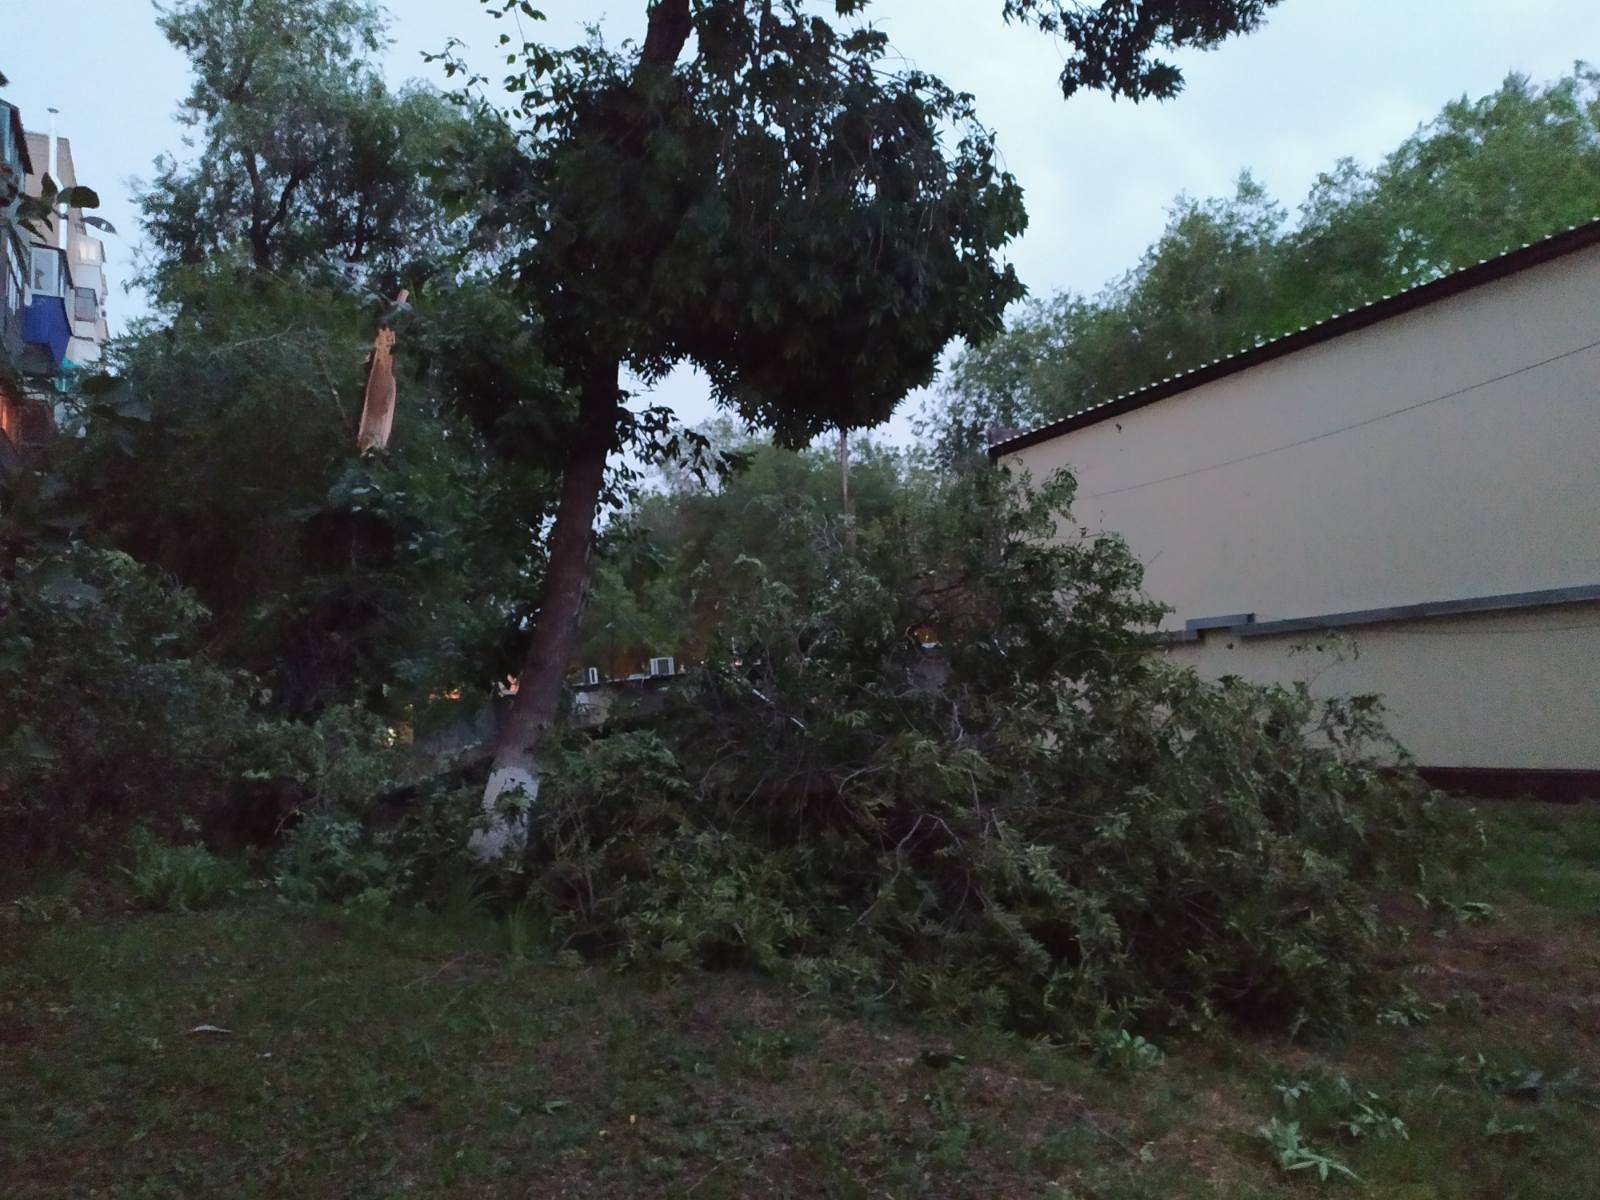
(80, 197)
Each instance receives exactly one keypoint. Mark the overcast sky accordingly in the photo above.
(1323, 79)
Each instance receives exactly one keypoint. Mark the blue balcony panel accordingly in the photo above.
(45, 323)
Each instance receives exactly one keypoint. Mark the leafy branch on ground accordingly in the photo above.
(952, 775)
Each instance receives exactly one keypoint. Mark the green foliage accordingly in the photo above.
(1293, 1153)
(803, 221)
(327, 859)
(1124, 1052)
(1483, 177)
(179, 878)
(1112, 43)
(115, 714)
(1332, 1102)
(1407, 1009)
(665, 576)
(304, 158)
(222, 452)
(359, 857)
(339, 762)
(108, 709)
(220, 448)
(1521, 1081)
(1033, 822)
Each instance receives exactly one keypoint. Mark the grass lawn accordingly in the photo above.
(421, 1058)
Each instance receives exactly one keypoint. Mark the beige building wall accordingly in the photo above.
(1448, 453)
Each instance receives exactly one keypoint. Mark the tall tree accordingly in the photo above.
(223, 452)
(1483, 176)
(761, 191)
(1203, 286)
(301, 153)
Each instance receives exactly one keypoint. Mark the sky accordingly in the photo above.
(1322, 80)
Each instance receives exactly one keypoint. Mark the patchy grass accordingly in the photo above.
(419, 1057)
(1548, 854)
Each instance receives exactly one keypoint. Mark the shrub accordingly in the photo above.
(1035, 822)
(179, 878)
(337, 763)
(111, 714)
(108, 712)
(328, 859)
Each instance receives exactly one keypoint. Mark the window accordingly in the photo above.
(85, 305)
(91, 250)
(46, 271)
(13, 275)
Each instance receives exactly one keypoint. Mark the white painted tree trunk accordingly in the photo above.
(513, 786)
(508, 800)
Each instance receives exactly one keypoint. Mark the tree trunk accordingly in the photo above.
(844, 487)
(260, 245)
(513, 786)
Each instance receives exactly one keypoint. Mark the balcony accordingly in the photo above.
(12, 296)
(14, 168)
(46, 321)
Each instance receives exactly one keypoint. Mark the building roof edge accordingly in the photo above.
(1568, 241)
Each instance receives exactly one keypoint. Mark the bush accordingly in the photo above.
(179, 878)
(111, 715)
(337, 763)
(1035, 821)
(355, 857)
(108, 712)
(328, 859)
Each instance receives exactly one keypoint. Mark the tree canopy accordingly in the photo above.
(301, 154)
(669, 571)
(219, 447)
(768, 194)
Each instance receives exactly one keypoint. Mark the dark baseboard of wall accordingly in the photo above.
(1494, 783)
